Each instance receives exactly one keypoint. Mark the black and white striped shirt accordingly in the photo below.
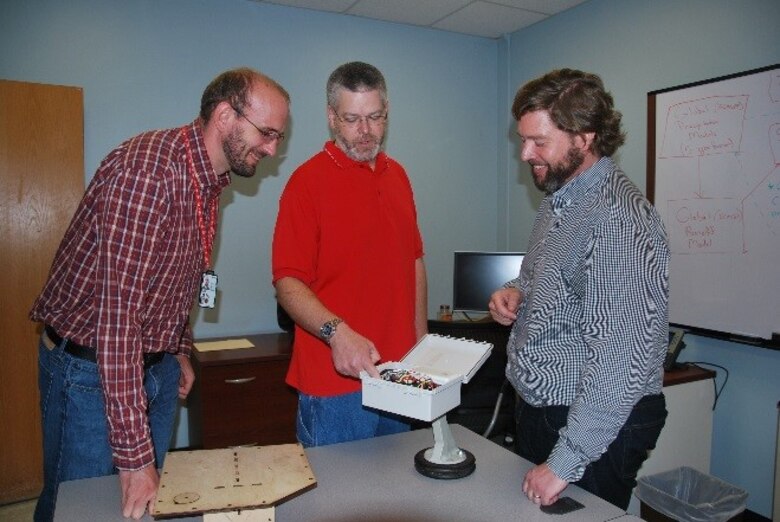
(592, 329)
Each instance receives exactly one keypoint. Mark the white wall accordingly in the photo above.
(638, 46)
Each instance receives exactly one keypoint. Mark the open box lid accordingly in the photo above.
(447, 358)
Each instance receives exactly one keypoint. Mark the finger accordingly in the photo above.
(149, 506)
(372, 371)
(130, 509)
(374, 354)
(139, 509)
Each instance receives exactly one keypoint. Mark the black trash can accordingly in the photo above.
(688, 495)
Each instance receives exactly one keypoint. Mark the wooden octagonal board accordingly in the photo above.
(231, 479)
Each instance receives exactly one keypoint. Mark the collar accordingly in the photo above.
(343, 161)
(204, 172)
(581, 185)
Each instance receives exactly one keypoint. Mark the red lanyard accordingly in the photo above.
(206, 235)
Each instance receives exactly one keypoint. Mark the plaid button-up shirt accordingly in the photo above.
(126, 273)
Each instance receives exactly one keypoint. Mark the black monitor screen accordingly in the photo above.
(478, 274)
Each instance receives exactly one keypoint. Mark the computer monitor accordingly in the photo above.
(476, 275)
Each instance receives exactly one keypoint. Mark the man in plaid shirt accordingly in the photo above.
(114, 352)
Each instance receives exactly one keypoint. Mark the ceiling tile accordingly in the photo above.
(548, 7)
(407, 11)
(336, 6)
(488, 19)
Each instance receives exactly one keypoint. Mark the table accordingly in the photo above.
(375, 480)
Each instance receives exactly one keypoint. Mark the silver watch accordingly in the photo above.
(328, 329)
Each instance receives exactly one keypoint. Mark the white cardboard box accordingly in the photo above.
(447, 360)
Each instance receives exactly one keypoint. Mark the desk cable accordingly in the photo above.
(714, 384)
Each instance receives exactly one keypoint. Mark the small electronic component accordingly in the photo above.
(409, 378)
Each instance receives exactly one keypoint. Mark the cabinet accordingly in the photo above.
(240, 397)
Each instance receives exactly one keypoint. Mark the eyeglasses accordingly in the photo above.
(268, 135)
(353, 120)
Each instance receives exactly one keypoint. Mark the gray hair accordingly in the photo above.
(355, 77)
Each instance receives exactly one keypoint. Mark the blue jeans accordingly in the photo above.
(341, 418)
(613, 476)
(75, 428)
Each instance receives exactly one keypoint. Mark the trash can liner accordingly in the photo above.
(691, 496)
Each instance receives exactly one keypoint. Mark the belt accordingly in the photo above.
(88, 353)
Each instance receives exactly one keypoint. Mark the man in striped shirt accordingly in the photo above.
(114, 352)
(590, 304)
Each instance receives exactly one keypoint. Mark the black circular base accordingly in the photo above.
(444, 471)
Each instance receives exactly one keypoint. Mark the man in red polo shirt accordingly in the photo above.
(348, 264)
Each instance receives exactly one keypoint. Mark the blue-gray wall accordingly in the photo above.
(639, 46)
(143, 64)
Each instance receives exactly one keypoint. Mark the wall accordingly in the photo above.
(638, 46)
(144, 64)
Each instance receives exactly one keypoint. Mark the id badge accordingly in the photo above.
(208, 290)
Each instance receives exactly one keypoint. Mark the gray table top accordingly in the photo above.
(375, 480)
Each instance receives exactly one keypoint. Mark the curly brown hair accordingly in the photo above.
(577, 102)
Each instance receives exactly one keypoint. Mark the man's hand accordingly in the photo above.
(187, 376)
(139, 491)
(542, 486)
(353, 353)
(503, 305)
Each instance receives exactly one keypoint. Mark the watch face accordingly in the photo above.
(327, 330)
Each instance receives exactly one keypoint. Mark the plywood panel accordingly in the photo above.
(241, 478)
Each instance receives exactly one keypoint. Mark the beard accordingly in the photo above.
(364, 148)
(236, 151)
(559, 174)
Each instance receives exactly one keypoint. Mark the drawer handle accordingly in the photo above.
(240, 381)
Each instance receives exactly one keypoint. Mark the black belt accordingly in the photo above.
(90, 354)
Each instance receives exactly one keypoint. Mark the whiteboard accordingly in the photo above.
(714, 176)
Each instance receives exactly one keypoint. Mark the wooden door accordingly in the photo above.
(41, 183)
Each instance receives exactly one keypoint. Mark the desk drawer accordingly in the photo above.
(246, 403)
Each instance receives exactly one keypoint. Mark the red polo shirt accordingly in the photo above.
(350, 233)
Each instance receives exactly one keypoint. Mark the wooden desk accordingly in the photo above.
(240, 397)
(687, 373)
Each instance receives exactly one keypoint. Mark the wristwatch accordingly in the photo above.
(328, 329)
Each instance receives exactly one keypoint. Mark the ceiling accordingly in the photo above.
(490, 19)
